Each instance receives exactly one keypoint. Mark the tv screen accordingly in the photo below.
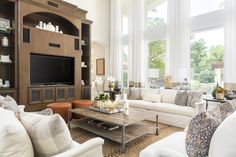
(49, 70)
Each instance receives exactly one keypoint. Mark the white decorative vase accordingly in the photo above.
(126, 108)
(5, 42)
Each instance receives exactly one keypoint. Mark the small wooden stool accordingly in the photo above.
(81, 103)
(61, 108)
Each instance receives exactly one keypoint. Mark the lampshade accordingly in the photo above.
(153, 73)
(184, 73)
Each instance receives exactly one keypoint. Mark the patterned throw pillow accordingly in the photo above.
(46, 112)
(181, 98)
(49, 134)
(193, 97)
(135, 94)
(225, 109)
(9, 104)
(200, 132)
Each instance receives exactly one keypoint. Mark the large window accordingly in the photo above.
(199, 7)
(125, 66)
(156, 57)
(156, 13)
(207, 55)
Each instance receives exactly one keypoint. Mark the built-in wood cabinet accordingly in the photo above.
(26, 39)
(39, 95)
(8, 70)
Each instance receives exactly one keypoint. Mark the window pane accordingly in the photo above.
(156, 58)
(156, 13)
(207, 56)
(199, 7)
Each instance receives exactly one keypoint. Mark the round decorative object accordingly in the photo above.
(230, 95)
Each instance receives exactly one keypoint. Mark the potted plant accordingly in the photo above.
(101, 98)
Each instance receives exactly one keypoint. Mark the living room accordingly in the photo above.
(128, 78)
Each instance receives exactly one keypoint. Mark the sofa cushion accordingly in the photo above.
(49, 134)
(163, 107)
(149, 90)
(135, 94)
(168, 95)
(199, 134)
(1, 98)
(181, 98)
(170, 146)
(193, 97)
(14, 140)
(152, 97)
(9, 103)
(223, 141)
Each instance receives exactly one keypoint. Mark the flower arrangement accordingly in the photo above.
(99, 82)
(218, 92)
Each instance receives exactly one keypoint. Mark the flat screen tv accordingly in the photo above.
(49, 70)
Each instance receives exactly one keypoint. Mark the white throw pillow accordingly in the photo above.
(14, 140)
(9, 103)
(223, 142)
(168, 95)
(152, 97)
(2, 98)
(49, 134)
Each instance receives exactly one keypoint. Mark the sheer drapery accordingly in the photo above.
(136, 45)
(230, 42)
(178, 38)
(115, 39)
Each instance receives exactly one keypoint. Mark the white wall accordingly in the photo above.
(99, 13)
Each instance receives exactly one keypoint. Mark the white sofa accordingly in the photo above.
(15, 142)
(168, 112)
(222, 144)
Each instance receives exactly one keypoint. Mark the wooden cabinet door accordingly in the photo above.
(86, 92)
(49, 95)
(61, 93)
(35, 95)
(71, 93)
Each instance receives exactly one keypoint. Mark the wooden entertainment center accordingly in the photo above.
(26, 39)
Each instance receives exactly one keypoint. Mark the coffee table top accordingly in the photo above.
(135, 116)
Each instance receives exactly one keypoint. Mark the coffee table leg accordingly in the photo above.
(206, 105)
(157, 125)
(122, 139)
(68, 122)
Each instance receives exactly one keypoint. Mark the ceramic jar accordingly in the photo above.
(50, 27)
(5, 42)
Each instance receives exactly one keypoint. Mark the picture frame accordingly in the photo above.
(4, 23)
(100, 66)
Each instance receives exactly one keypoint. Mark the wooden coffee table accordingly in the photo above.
(130, 128)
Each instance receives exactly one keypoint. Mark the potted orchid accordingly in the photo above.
(101, 98)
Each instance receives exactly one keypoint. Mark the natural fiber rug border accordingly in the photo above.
(112, 149)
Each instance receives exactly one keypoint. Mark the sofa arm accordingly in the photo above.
(91, 148)
(200, 107)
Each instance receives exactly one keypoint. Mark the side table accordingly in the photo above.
(210, 98)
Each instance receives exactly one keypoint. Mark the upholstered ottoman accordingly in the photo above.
(61, 108)
(81, 103)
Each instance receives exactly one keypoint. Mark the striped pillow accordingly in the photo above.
(49, 134)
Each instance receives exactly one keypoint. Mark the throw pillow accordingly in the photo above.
(193, 97)
(181, 98)
(152, 97)
(9, 103)
(225, 109)
(168, 95)
(199, 134)
(223, 141)
(46, 112)
(14, 140)
(49, 134)
(135, 94)
(2, 98)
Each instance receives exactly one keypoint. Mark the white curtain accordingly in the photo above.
(136, 45)
(230, 42)
(178, 39)
(115, 39)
